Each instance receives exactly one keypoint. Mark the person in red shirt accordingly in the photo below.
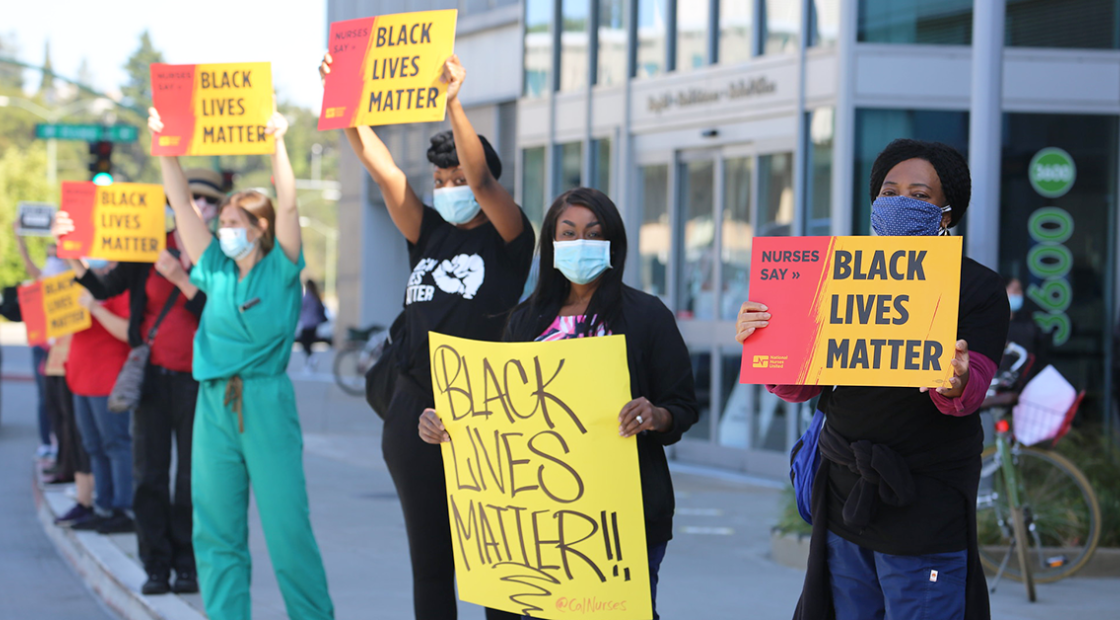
(96, 357)
(166, 410)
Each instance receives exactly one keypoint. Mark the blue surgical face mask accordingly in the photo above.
(456, 205)
(235, 242)
(581, 261)
(903, 216)
(96, 263)
(1016, 302)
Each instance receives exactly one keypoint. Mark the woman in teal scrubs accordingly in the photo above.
(246, 427)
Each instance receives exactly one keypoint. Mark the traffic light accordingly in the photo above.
(102, 166)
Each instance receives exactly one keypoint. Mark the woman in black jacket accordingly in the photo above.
(583, 296)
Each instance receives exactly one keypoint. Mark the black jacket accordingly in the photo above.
(132, 277)
(661, 371)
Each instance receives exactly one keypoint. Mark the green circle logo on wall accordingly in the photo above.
(1052, 172)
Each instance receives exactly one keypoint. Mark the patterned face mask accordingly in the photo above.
(903, 216)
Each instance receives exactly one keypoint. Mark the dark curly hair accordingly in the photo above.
(442, 153)
(950, 165)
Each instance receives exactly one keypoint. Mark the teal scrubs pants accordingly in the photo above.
(269, 456)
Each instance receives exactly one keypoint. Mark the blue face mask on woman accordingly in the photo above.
(96, 263)
(456, 205)
(235, 242)
(581, 261)
(903, 216)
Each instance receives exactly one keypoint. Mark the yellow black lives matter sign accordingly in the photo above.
(121, 222)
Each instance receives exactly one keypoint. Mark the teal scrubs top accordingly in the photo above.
(256, 341)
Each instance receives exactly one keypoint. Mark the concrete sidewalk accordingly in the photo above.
(717, 566)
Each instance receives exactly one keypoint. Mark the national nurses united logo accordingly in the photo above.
(461, 275)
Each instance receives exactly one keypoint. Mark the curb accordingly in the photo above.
(113, 577)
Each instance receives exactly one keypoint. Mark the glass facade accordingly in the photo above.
(654, 242)
(818, 190)
(601, 166)
(570, 171)
(775, 178)
(538, 47)
(693, 20)
(824, 22)
(611, 64)
(781, 26)
(736, 40)
(938, 22)
(736, 232)
(533, 171)
(653, 37)
(695, 294)
(575, 16)
(1058, 246)
(1087, 24)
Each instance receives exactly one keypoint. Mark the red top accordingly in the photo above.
(173, 348)
(96, 356)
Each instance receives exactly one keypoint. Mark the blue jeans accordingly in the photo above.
(38, 356)
(106, 438)
(868, 585)
(656, 554)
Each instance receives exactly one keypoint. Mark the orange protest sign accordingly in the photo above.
(386, 70)
(50, 308)
(854, 311)
(213, 109)
(122, 221)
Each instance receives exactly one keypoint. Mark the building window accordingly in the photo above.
(612, 43)
(654, 235)
(876, 128)
(937, 22)
(533, 172)
(824, 22)
(775, 178)
(735, 19)
(569, 172)
(695, 291)
(819, 188)
(653, 36)
(601, 165)
(737, 233)
(575, 16)
(538, 47)
(781, 25)
(1089, 24)
(693, 19)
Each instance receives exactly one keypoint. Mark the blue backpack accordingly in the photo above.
(804, 458)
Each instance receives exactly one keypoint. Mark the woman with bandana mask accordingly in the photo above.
(583, 238)
(166, 410)
(246, 424)
(894, 499)
(469, 255)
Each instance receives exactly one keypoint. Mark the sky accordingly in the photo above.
(106, 32)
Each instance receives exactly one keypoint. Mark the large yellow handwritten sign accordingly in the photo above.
(213, 109)
(386, 70)
(544, 497)
(50, 308)
(854, 311)
(122, 221)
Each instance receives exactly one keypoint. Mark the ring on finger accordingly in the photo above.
(639, 419)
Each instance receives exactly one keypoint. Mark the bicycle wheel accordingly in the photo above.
(348, 372)
(1060, 512)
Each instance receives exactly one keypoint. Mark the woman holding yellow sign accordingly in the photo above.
(470, 255)
(893, 500)
(246, 425)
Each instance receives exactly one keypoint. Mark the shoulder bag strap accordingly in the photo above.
(171, 299)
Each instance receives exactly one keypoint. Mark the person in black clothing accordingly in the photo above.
(1023, 331)
(894, 499)
(469, 256)
(583, 296)
(166, 410)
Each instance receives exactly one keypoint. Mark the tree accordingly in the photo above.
(131, 161)
(22, 177)
(46, 87)
(11, 77)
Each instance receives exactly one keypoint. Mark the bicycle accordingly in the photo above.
(362, 350)
(1033, 503)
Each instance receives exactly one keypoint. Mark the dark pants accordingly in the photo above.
(867, 585)
(72, 457)
(106, 439)
(38, 357)
(417, 470)
(307, 337)
(163, 523)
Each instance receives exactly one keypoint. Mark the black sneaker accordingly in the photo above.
(91, 523)
(186, 582)
(118, 523)
(74, 515)
(156, 584)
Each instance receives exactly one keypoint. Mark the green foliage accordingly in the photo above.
(790, 521)
(131, 162)
(1090, 449)
(23, 176)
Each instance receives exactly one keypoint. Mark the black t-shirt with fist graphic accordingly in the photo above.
(463, 283)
